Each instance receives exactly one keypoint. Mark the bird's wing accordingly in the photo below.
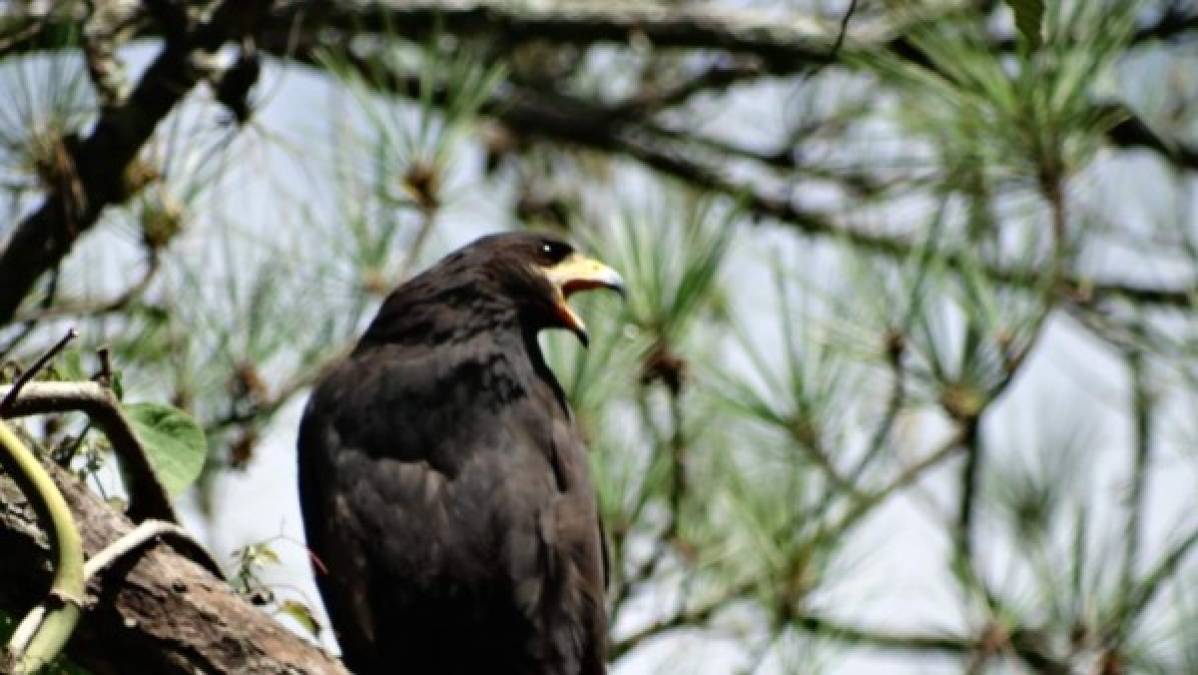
(418, 496)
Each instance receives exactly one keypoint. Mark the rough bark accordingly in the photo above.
(155, 612)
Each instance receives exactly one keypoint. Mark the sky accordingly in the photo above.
(1071, 376)
(898, 558)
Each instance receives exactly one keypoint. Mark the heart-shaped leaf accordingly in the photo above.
(174, 443)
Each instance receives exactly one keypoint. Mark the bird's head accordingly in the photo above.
(539, 273)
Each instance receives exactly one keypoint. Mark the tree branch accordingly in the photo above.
(811, 623)
(14, 391)
(147, 532)
(147, 498)
(97, 306)
(1141, 414)
(1132, 132)
(783, 46)
(98, 162)
(154, 613)
(572, 120)
(788, 46)
(876, 639)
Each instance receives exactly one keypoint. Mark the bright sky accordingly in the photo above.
(899, 579)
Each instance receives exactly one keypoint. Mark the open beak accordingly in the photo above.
(579, 273)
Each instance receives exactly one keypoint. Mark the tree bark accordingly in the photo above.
(153, 612)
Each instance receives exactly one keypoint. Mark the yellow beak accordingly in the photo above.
(579, 273)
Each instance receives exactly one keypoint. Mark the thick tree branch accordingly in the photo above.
(147, 498)
(783, 46)
(153, 613)
(99, 161)
(561, 118)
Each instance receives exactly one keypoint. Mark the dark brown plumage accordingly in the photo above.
(443, 483)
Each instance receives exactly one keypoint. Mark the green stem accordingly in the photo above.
(47, 637)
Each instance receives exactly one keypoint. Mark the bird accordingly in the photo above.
(444, 483)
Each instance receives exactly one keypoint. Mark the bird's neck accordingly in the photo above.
(452, 316)
(532, 348)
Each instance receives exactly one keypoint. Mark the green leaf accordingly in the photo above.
(259, 554)
(302, 615)
(174, 443)
(1029, 17)
(118, 386)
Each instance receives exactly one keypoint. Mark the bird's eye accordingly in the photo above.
(554, 251)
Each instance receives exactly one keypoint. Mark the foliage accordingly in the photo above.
(913, 313)
(174, 443)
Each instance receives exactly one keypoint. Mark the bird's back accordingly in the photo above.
(445, 494)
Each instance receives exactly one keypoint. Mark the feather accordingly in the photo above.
(445, 486)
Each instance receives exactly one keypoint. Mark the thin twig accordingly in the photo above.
(894, 405)
(906, 477)
(1142, 412)
(971, 475)
(79, 307)
(1146, 589)
(678, 461)
(104, 377)
(1141, 405)
(690, 618)
(143, 534)
(715, 78)
(284, 393)
(811, 623)
(428, 219)
(29, 326)
(33, 370)
(844, 29)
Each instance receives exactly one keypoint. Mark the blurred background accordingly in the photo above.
(905, 381)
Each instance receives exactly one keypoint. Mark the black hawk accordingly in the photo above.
(444, 485)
